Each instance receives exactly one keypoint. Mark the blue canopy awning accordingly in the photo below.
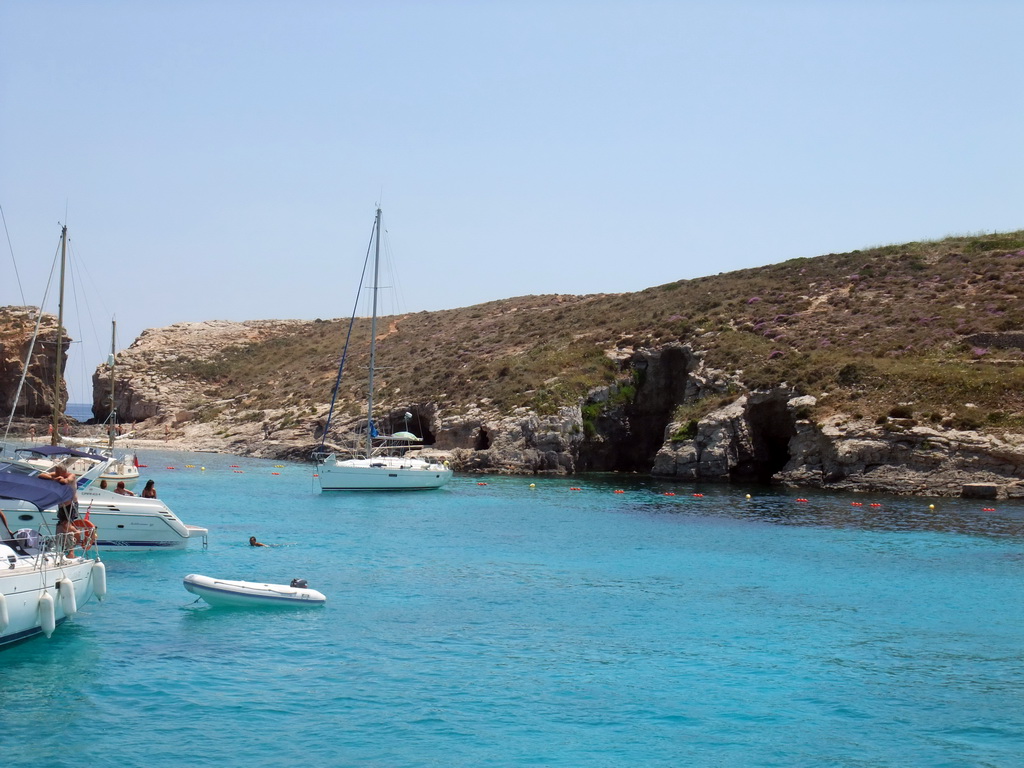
(35, 490)
(56, 450)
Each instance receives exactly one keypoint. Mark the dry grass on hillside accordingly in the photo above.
(876, 330)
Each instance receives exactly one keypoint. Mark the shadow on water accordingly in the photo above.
(803, 507)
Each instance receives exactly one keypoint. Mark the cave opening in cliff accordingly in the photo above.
(624, 434)
(482, 441)
(771, 429)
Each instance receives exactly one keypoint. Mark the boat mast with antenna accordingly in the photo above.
(58, 370)
(112, 415)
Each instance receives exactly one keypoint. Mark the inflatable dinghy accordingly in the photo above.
(251, 593)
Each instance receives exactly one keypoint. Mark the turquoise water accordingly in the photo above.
(502, 625)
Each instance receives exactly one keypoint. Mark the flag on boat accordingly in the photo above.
(136, 460)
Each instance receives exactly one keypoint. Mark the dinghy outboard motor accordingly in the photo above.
(299, 583)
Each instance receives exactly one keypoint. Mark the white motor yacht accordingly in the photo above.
(122, 522)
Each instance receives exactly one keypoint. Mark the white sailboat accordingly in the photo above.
(123, 468)
(381, 463)
(43, 582)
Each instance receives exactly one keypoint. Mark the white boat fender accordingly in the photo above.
(47, 615)
(99, 580)
(5, 618)
(67, 596)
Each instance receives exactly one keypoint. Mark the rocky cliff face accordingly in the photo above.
(763, 437)
(35, 399)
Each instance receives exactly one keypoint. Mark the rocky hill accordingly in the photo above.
(896, 368)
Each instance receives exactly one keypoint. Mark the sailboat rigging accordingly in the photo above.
(376, 466)
(58, 368)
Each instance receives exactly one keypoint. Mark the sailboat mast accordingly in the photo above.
(373, 336)
(58, 373)
(112, 416)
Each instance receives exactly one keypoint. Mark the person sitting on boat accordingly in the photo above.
(103, 485)
(254, 543)
(122, 490)
(67, 512)
(149, 492)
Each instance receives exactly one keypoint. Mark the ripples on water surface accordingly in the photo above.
(497, 624)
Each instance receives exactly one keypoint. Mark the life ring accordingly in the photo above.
(85, 533)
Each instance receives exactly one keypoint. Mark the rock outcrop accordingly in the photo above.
(763, 437)
(32, 399)
(522, 443)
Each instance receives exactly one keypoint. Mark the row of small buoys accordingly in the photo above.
(856, 504)
(481, 483)
(698, 495)
(988, 509)
(279, 466)
(669, 493)
(875, 504)
(190, 466)
(574, 488)
(233, 466)
(619, 491)
(275, 473)
(238, 472)
(801, 499)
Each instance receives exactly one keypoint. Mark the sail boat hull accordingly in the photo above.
(383, 473)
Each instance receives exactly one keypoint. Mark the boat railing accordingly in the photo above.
(41, 552)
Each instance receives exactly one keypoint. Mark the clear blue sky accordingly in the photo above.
(222, 159)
